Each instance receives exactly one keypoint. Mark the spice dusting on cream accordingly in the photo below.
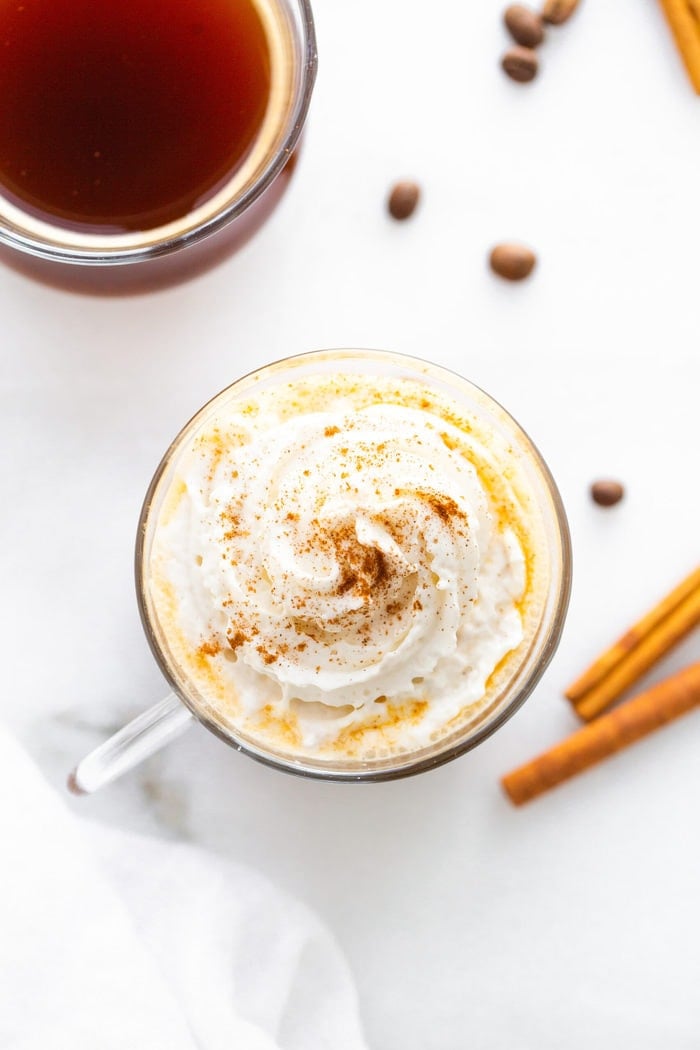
(342, 567)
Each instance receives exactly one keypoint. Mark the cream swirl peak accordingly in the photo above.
(341, 566)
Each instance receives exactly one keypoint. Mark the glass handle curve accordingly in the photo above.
(138, 740)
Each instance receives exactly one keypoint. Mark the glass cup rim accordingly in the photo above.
(547, 646)
(106, 255)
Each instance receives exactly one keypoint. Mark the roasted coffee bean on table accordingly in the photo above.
(524, 25)
(606, 493)
(520, 63)
(403, 199)
(514, 262)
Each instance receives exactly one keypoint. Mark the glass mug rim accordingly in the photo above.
(103, 249)
(545, 643)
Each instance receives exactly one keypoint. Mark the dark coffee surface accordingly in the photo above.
(124, 114)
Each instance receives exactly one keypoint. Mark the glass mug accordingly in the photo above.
(508, 448)
(101, 258)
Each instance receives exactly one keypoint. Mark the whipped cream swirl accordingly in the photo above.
(342, 563)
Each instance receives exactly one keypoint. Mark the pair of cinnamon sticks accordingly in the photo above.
(606, 680)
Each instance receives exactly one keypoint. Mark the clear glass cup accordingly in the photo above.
(182, 707)
(140, 261)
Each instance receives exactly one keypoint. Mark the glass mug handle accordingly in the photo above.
(138, 740)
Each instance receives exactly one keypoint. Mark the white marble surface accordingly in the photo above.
(575, 922)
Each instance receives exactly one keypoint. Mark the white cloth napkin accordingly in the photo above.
(119, 942)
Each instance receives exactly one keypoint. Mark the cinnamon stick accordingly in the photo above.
(610, 733)
(683, 16)
(638, 649)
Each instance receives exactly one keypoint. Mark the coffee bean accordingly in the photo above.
(524, 25)
(403, 199)
(512, 261)
(558, 11)
(520, 63)
(607, 493)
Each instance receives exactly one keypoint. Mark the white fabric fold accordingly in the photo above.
(114, 940)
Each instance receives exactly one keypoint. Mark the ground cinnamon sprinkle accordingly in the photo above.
(330, 431)
(231, 518)
(450, 442)
(209, 649)
(237, 639)
(443, 506)
(268, 658)
(362, 568)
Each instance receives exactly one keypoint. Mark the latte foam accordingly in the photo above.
(343, 567)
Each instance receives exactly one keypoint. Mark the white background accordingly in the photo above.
(575, 922)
